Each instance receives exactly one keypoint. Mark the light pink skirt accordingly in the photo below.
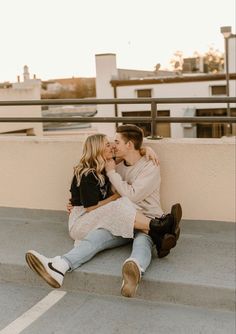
(118, 217)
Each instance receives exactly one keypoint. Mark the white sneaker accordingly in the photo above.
(52, 270)
(131, 272)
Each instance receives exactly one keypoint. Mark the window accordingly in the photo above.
(214, 130)
(144, 93)
(218, 90)
(163, 129)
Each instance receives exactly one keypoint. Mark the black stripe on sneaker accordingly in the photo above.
(54, 269)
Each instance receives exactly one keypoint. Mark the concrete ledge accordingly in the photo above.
(200, 271)
(198, 173)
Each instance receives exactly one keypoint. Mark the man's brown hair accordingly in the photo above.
(133, 133)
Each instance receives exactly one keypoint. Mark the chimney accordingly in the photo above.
(26, 73)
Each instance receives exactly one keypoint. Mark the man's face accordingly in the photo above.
(120, 147)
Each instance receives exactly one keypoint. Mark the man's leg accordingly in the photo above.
(53, 270)
(135, 266)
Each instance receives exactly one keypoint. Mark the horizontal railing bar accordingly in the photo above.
(181, 100)
(206, 119)
(210, 119)
(75, 119)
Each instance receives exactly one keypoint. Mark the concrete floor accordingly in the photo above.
(79, 312)
(200, 271)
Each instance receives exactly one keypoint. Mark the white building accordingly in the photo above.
(110, 83)
(28, 89)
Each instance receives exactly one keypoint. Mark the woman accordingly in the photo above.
(91, 189)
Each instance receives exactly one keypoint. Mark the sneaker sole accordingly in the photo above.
(36, 265)
(131, 279)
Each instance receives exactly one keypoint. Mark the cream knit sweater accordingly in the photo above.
(140, 183)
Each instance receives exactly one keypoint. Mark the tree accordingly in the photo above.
(213, 61)
(81, 88)
(177, 61)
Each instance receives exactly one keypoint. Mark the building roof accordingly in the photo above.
(68, 81)
(176, 79)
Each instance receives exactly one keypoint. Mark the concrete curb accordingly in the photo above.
(212, 297)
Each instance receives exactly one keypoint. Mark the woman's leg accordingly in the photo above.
(53, 270)
(93, 243)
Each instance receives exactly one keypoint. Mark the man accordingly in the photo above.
(139, 180)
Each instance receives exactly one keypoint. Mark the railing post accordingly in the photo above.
(153, 115)
(153, 122)
(228, 126)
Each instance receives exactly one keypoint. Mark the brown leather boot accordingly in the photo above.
(165, 241)
(161, 226)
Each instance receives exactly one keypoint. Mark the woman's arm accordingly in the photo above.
(150, 154)
(69, 206)
(103, 202)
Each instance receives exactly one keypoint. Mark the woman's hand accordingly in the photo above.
(69, 207)
(110, 165)
(149, 154)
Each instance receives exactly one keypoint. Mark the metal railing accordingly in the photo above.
(153, 119)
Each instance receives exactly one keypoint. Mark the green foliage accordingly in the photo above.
(213, 61)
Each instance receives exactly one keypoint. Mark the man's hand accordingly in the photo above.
(149, 154)
(110, 165)
(69, 207)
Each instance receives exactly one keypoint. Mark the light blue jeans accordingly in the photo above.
(101, 239)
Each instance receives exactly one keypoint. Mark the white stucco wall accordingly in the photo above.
(232, 54)
(200, 174)
(105, 69)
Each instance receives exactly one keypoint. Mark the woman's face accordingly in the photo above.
(108, 150)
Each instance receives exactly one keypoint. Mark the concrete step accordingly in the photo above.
(200, 271)
(79, 312)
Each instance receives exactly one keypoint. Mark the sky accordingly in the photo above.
(59, 38)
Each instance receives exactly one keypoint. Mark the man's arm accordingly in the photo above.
(144, 185)
(103, 202)
(149, 154)
(113, 197)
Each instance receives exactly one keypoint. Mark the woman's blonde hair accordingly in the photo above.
(92, 159)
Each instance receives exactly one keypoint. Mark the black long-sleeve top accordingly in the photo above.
(89, 192)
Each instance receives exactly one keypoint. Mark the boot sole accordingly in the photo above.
(176, 211)
(168, 242)
(131, 279)
(36, 265)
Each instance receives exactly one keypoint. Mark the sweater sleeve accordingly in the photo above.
(89, 190)
(147, 181)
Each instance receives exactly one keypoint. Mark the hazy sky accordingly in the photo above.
(59, 38)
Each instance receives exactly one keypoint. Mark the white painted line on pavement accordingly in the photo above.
(27, 318)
